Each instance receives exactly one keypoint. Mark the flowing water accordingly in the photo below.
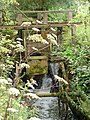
(48, 108)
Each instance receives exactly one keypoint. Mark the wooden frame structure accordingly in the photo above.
(45, 23)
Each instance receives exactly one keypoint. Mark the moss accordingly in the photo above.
(37, 67)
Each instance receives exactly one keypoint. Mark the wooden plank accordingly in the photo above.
(47, 94)
(37, 57)
(19, 18)
(45, 18)
(39, 16)
(40, 25)
(50, 11)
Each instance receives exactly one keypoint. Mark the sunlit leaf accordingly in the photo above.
(36, 29)
(24, 24)
(22, 65)
(29, 84)
(39, 22)
(34, 48)
(14, 91)
(52, 29)
(60, 79)
(52, 39)
(32, 95)
(19, 39)
(34, 118)
(33, 82)
(12, 110)
(45, 41)
(3, 81)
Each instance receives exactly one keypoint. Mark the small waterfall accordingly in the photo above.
(48, 108)
(47, 82)
(54, 68)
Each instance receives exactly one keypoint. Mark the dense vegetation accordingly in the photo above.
(12, 99)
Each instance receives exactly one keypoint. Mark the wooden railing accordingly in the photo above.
(44, 15)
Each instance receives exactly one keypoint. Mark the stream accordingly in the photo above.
(48, 108)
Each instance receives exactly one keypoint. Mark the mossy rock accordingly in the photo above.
(37, 67)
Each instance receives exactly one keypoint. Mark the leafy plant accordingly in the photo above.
(12, 106)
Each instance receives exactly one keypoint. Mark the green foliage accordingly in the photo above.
(82, 14)
(12, 106)
(80, 64)
(22, 110)
(79, 56)
(45, 4)
(7, 8)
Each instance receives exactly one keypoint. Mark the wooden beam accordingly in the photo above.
(39, 25)
(50, 11)
(55, 58)
(37, 58)
(48, 94)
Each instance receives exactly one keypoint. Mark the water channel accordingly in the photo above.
(48, 108)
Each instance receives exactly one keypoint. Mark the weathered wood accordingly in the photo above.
(48, 94)
(15, 81)
(73, 32)
(39, 16)
(45, 18)
(25, 45)
(69, 16)
(19, 19)
(64, 72)
(40, 25)
(56, 58)
(0, 17)
(59, 35)
(37, 58)
(50, 11)
(45, 94)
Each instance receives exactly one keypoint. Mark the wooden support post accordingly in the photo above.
(25, 44)
(59, 35)
(19, 18)
(16, 76)
(0, 17)
(51, 45)
(39, 16)
(64, 73)
(45, 18)
(73, 32)
(69, 16)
